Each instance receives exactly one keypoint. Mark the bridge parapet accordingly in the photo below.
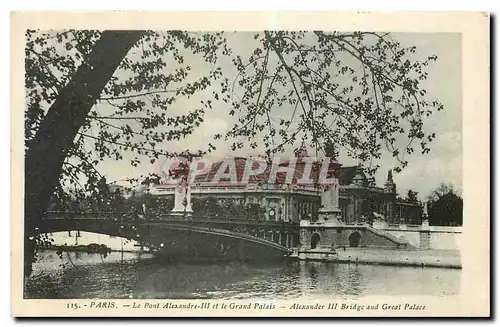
(278, 235)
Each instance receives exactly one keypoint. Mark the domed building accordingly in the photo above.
(289, 191)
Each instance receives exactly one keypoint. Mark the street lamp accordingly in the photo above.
(184, 203)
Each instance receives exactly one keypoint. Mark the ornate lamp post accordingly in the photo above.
(184, 204)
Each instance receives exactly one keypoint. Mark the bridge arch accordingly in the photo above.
(354, 239)
(315, 239)
(154, 233)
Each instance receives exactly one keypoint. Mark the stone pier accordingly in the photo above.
(182, 198)
(330, 210)
(330, 232)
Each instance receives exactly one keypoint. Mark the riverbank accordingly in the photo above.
(392, 257)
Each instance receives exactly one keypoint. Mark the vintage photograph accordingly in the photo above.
(256, 166)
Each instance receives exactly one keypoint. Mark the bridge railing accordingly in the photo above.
(170, 217)
(86, 215)
(222, 219)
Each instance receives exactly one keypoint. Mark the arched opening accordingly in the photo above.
(354, 239)
(315, 240)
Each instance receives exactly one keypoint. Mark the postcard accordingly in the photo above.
(237, 164)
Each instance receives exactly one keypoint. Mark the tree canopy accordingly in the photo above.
(445, 207)
(129, 109)
(359, 91)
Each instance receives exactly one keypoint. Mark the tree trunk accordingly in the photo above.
(47, 151)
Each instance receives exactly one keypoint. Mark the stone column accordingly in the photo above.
(390, 211)
(264, 205)
(355, 210)
(178, 197)
(182, 196)
(330, 203)
(425, 236)
(284, 208)
(425, 213)
(189, 207)
(425, 231)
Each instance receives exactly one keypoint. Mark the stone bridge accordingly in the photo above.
(180, 237)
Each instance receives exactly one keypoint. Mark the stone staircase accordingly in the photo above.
(400, 243)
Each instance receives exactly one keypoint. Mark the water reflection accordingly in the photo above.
(129, 275)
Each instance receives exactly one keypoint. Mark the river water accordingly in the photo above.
(132, 275)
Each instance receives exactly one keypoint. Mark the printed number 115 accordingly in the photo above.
(72, 306)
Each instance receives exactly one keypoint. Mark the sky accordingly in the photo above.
(424, 173)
